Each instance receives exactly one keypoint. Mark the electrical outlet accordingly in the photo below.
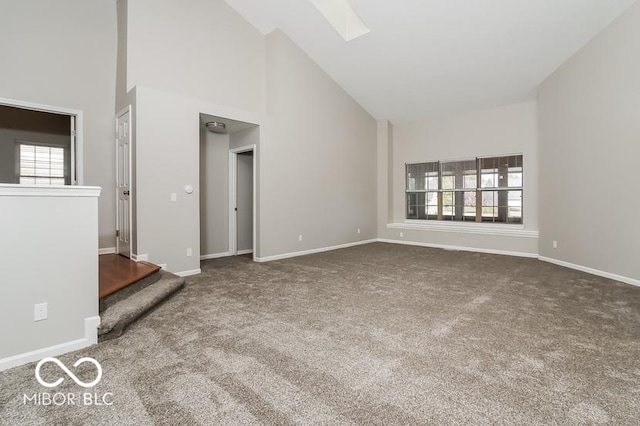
(189, 252)
(174, 196)
(401, 234)
(555, 244)
(358, 230)
(300, 237)
(40, 311)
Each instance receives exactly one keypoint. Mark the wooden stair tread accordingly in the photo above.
(117, 272)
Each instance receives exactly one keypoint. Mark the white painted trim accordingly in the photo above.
(91, 326)
(17, 190)
(215, 255)
(460, 248)
(591, 271)
(188, 273)
(107, 250)
(241, 252)
(313, 251)
(467, 228)
(90, 338)
(79, 128)
(140, 257)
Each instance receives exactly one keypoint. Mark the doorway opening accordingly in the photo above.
(40, 144)
(228, 186)
(241, 200)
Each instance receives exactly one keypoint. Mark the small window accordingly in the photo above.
(487, 189)
(42, 165)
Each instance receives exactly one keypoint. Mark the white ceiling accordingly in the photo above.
(426, 57)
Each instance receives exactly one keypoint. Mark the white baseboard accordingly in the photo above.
(460, 248)
(312, 251)
(215, 255)
(591, 271)
(188, 273)
(90, 338)
(107, 250)
(241, 252)
(140, 257)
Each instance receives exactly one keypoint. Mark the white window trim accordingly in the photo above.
(501, 229)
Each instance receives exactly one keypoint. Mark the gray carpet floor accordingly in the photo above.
(376, 334)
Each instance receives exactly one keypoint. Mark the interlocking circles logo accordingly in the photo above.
(68, 372)
(68, 398)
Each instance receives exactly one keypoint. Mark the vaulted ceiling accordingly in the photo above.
(426, 57)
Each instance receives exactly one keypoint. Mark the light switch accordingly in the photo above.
(174, 196)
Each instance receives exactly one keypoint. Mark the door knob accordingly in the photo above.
(125, 192)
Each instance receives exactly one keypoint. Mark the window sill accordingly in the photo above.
(466, 228)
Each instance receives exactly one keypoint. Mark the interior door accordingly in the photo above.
(123, 184)
(244, 203)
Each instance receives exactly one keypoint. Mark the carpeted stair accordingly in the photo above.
(124, 307)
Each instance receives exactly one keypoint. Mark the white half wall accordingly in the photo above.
(34, 222)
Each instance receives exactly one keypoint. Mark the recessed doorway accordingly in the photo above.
(228, 186)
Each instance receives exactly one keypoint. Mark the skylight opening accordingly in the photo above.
(342, 17)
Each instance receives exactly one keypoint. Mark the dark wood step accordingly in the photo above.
(117, 272)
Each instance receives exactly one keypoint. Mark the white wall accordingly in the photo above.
(214, 193)
(63, 53)
(167, 159)
(35, 269)
(214, 186)
(230, 82)
(198, 48)
(245, 137)
(506, 130)
(589, 131)
(385, 175)
(318, 167)
(183, 59)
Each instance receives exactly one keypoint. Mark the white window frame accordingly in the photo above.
(66, 151)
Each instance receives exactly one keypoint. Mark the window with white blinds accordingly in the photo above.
(486, 189)
(41, 165)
